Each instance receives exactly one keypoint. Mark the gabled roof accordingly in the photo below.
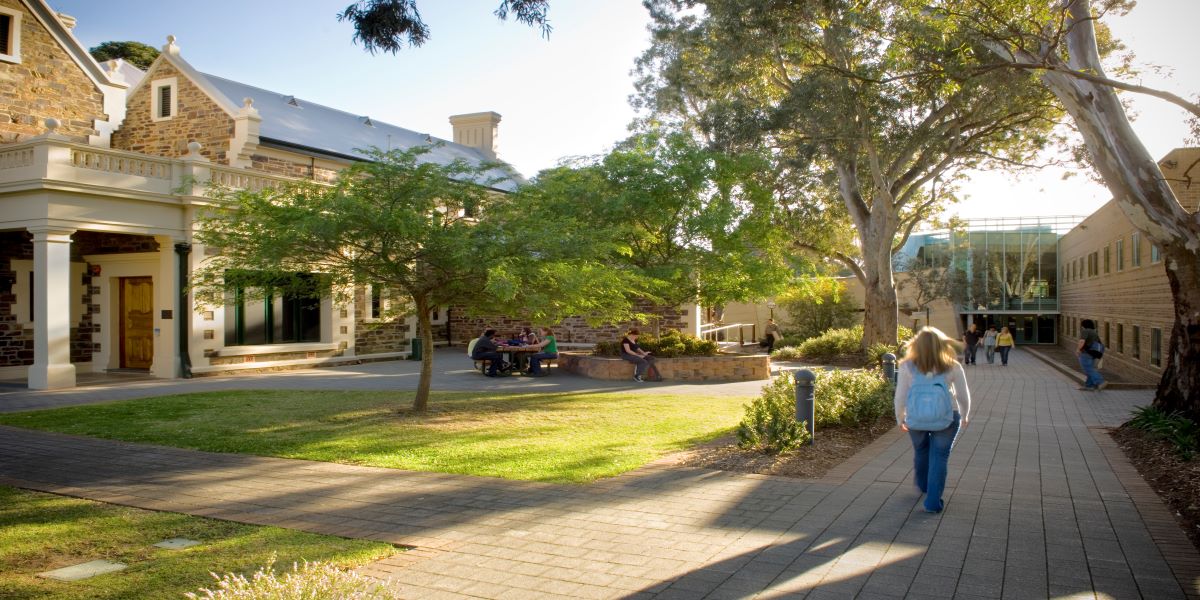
(67, 41)
(298, 123)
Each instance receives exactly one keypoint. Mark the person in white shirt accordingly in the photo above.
(933, 359)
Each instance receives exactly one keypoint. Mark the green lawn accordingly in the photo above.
(41, 532)
(569, 437)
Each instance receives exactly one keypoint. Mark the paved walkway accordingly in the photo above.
(1040, 504)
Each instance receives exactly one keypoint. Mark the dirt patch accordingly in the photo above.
(1175, 480)
(834, 446)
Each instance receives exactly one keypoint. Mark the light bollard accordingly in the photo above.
(889, 367)
(805, 405)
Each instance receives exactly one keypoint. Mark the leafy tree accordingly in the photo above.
(821, 304)
(135, 53)
(842, 92)
(389, 25)
(688, 224)
(1062, 43)
(394, 220)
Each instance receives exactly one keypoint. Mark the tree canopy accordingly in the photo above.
(135, 53)
(391, 25)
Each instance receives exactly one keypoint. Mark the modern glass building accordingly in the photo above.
(1001, 271)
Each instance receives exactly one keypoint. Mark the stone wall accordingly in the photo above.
(570, 330)
(47, 83)
(16, 342)
(197, 118)
(372, 337)
(292, 168)
(696, 368)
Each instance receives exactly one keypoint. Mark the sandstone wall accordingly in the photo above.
(464, 328)
(197, 118)
(292, 167)
(47, 83)
(699, 368)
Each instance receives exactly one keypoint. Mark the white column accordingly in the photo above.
(52, 366)
(166, 355)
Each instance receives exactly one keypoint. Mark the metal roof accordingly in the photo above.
(296, 122)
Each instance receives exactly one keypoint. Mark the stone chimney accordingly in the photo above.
(477, 130)
(67, 20)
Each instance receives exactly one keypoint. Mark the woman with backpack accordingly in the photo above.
(932, 403)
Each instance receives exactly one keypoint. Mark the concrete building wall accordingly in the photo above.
(46, 83)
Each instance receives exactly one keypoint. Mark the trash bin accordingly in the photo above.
(415, 354)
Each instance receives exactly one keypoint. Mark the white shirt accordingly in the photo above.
(956, 377)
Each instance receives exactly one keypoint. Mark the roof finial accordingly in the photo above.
(247, 102)
(51, 124)
(170, 48)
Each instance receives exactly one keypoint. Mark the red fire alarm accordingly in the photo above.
(95, 269)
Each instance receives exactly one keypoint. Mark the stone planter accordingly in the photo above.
(723, 367)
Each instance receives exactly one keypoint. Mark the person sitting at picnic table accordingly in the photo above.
(486, 349)
(547, 348)
(529, 337)
(633, 353)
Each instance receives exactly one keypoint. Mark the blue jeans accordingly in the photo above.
(969, 355)
(640, 364)
(535, 366)
(931, 452)
(494, 359)
(990, 352)
(1003, 354)
(1094, 379)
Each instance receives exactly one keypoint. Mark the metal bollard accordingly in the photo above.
(805, 406)
(889, 367)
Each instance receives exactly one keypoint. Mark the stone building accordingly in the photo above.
(101, 170)
(1113, 275)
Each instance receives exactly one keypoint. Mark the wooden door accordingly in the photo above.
(137, 322)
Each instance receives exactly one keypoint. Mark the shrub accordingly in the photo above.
(841, 399)
(672, 344)
(786, 353)
(770, 424)
(310, 581)
(834, 342)
(817, 305)
(1175, 428)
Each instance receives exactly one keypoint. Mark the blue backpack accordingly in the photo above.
(929, 407)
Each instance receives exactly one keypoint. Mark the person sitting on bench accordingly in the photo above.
(486, 349)
(633, 353)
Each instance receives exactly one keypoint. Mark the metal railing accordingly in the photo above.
(716, 332)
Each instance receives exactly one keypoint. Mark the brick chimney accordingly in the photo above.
(477, 130)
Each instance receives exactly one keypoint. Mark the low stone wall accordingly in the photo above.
(726, 367)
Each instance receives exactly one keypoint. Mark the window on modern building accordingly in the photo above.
(1155, 253)
(164, 99)
(1120, 338)
(1156, 346)
(10, 35)
(257, 317)
(1107, 259)
(1135, 249)
(1094, 266)
(1107, 326)
(1120, 255)
(1136, 351)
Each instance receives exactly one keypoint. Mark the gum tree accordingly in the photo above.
(864, 102)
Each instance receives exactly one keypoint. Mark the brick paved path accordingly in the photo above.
(1040, 504)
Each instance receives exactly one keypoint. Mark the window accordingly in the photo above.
(1120, 255)
(1137, 342)
(1074, 270)
(376, 301)
(1156, 347)
(1155, 253)
(260, 317)
(1135, 249)
(164, 99)
(10, 35)
(1106, 332)
(1094, 264)
(1107, 259)
(1120, 338)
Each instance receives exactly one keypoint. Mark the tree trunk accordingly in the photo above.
(1179, 389)
(421, 400)
(881, 310)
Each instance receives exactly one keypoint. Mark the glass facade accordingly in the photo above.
(1004, 271)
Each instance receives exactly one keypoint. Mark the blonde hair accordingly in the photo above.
(930, 351)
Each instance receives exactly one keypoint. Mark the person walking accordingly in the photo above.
(1004, 344)
(989, 344)
(932, 404)
(1088, 344)
(971, 338)
(773, 335)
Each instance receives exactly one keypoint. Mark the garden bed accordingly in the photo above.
(833, 447)
(1175, 480)
(723, 367)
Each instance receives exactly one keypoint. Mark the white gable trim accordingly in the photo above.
(170, 54)
(49, 20)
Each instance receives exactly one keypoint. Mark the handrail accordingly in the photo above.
(711, 334)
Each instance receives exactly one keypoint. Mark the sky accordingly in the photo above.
(563, 96)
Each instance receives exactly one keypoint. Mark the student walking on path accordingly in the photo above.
(971, 338)
(1087, 350)
(1004, 345)
(989, 344)
(932, 402)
